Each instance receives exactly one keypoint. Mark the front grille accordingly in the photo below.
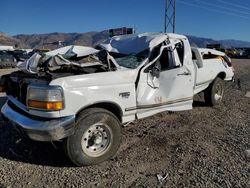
(17, 84)
(18, 90)
(16, 108)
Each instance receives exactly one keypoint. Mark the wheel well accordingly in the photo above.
(114, 108)
(222, 75)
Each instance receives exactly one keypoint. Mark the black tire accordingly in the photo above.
(97, 137)
(214, 93)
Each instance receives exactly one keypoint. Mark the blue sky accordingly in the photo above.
(217, 19)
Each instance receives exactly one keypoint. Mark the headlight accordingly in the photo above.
(45, 97)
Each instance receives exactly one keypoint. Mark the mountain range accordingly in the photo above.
(91, 39)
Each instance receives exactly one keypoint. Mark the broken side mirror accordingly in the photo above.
(156, 69)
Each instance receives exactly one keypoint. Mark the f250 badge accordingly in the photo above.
(124, 95)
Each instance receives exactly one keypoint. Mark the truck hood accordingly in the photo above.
(122, 76)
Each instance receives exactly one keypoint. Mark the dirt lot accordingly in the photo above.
(204, 147)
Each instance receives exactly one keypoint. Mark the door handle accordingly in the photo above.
(184, 73)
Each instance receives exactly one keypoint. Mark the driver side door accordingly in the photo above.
(169, 89)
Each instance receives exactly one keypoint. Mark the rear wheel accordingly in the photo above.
(97, 137)
(215, 92)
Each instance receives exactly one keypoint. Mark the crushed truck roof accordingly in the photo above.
(73, 50)
(133, 44)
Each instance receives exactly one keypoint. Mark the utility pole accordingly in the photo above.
(170, 16)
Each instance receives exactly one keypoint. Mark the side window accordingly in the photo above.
(155, 52)
(194, 56)
(166, 60)
(195, 60)
(180, 51)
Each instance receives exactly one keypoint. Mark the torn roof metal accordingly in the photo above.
(73, 50)
(133, 44)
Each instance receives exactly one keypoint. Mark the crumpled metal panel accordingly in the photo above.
(60, 57)
(73, 50)
(133, 44)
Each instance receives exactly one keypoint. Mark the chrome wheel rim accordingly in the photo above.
(96, 140)
(218, 92)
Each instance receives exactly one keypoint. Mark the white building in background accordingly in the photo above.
(10, 48)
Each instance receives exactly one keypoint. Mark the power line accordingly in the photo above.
(222, 7)
(234, 5)
(214, 10)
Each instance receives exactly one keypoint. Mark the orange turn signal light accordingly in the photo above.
(45, 105)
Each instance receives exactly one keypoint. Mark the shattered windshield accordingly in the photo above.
(130, 61)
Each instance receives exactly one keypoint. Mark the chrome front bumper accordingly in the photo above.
(40, 129)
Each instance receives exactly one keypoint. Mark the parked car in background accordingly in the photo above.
(228, 51)
(239, 52)
(21, 55)
(246, 53)
(7, 60)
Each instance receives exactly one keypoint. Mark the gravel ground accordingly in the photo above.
(203, 147)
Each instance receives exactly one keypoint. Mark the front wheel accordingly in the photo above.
(97, 137)
(215, 92)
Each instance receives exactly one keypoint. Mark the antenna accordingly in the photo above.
(170, 16)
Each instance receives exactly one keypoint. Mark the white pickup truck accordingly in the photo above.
(82, 96)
